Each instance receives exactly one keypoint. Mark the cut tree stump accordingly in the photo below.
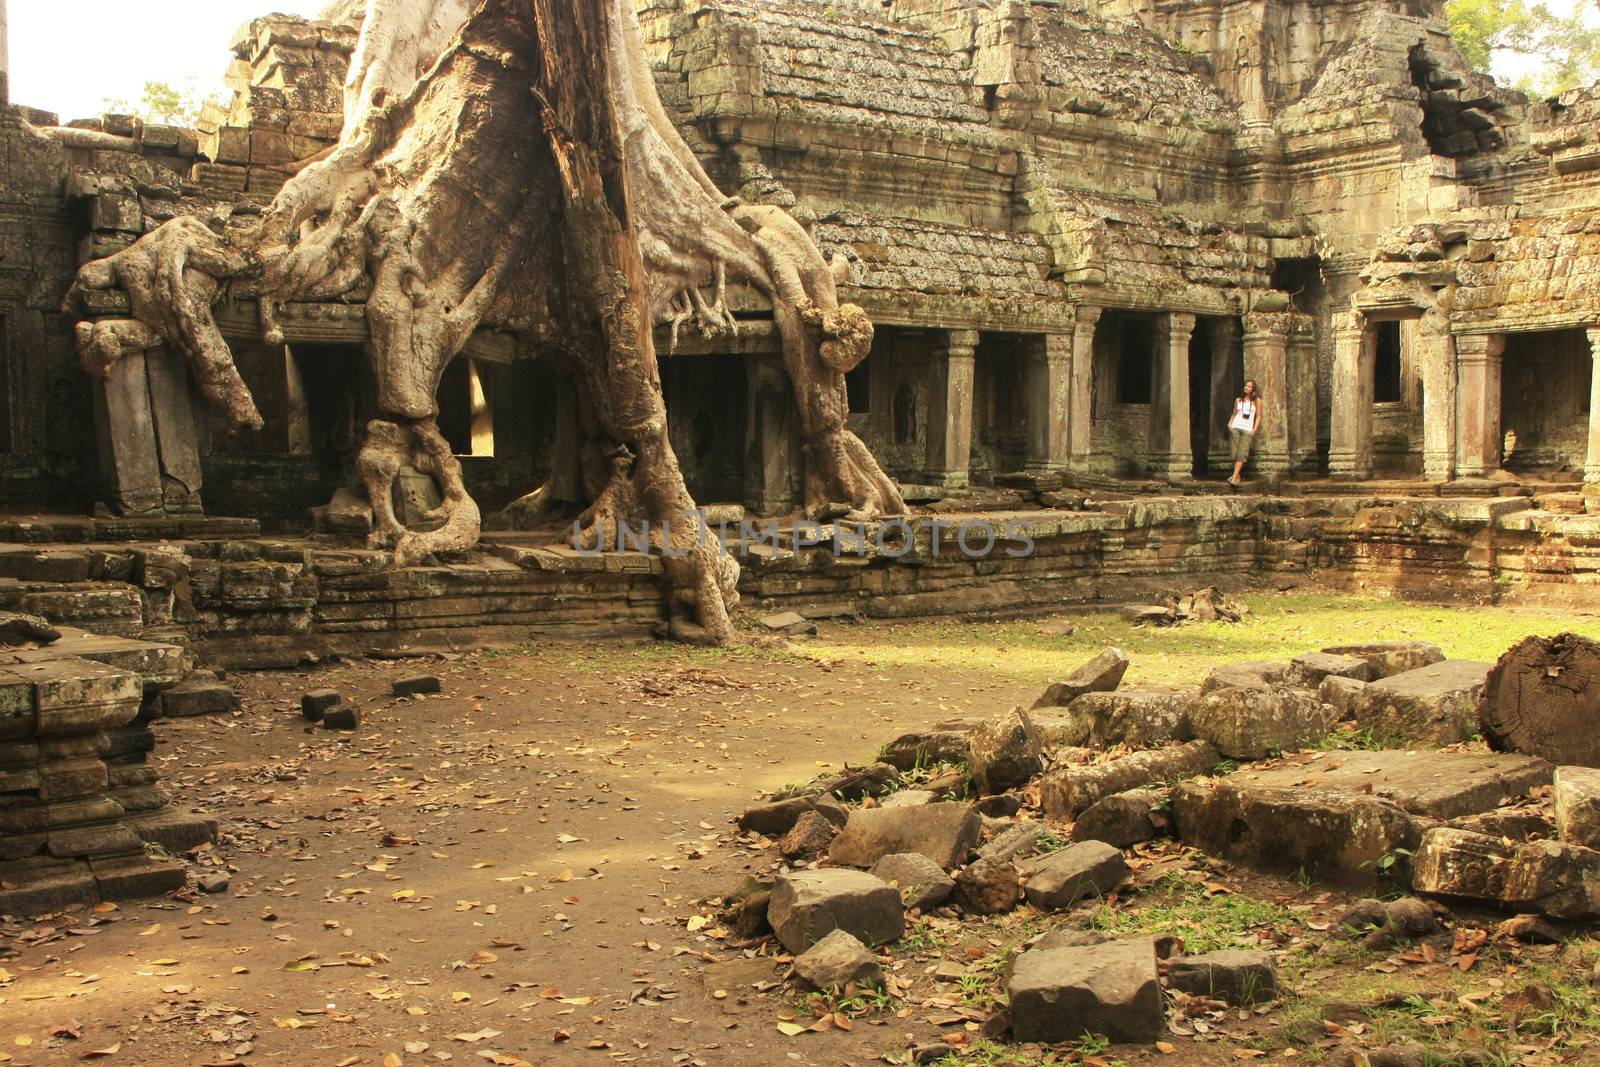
(1543, 699)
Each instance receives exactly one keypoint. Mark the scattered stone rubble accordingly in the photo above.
(1260, 766)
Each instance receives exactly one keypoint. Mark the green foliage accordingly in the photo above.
(1567, 48)
(1206, 921)
(165, 104)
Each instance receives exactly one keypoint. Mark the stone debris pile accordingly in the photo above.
(1343, 766)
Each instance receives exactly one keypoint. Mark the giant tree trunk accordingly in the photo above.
(483, 175)
(1543, 699)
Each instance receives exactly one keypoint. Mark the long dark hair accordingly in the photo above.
(1251, 389)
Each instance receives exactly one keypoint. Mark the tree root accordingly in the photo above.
(388, 448)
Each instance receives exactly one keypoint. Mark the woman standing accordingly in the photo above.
(1243, 427)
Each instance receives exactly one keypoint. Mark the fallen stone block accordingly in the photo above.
(910, 798)
(1558, 880)
(923, 884)
(1099, 675)
(201, 693)
(1006, 752)
(1066, 791)
(809, 837)
(418, 685)
(789, 623)
(1112, 990)
(1381, 925)
(1122, 820)
(777, 817)
(1308, 671)
(1253, 674)
(945, 833)
(988, 887)
(1388, 658)
(873, 780)
(1141, 717)
(315, 704)
(1017, 841)
(838, 960)
(1255, 723)
(1525, 822)
(1343, 695)
(807, 906)
(1577, 791)
(910, 751)
(342, 717)
(1432, 705)
(1236, 977)
(1337, 816)
(1085, 869)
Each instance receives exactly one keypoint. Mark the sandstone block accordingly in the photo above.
(1554, 879)
(1388, 658)
(1066, 791)
(1432, 705)
(315, 704)
(1006, 752)
(1578, 805)
(806, 906)
(988, 887)
(1122, 820)
(1309, 670)
(839, 959)
(1343, 695)
(1255, 723)
(1112, 989)
(1141, 717)
(1102, 674)
(923, 884)
(1255, 674)
(1237, 977)
(945, 833)
(1061, 879)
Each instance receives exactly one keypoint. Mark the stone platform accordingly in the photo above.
(79, 802)
(242, 599)
(1338, 815)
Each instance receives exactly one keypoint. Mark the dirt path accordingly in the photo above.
(519, 854)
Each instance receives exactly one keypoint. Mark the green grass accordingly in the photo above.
(1280, 626)
(1206, 921)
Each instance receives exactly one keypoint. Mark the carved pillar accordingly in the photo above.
(950, 409)
(1225, 386)
(1350, 451)
(1592, 466)
(148, 439)
(125, 430)
(771, 464)
(1303, 395)
(1438, 359)
(1266, 359)
(1171, 451)
(1479, 358)
(1080, 422)
(1049, 400)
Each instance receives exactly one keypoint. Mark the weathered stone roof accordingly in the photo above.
(908, 255)
(1144, 252)
(864, 67)
(1119, 67)
(1531, 270)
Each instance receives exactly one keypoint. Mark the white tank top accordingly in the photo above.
(1244, 415)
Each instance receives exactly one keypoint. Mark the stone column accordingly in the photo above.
(1080, 422)
(125, 430)
(5, 58)
(1592, 466)
(1171, 452)
(1303, 395)
(1350, 448)
(177, 435)
(1438, 371)
(950, 409)
(1224, 388)
(771, 463)
(1479, 357)
(1266, 359)
(296, 406)
(1049, 400)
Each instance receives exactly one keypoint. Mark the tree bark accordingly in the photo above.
(1543, 699)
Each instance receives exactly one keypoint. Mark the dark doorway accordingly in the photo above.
(1545, 388)
(1387, 385)
(706, 421)
(1135, 360)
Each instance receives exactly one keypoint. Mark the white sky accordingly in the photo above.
(70, 56)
